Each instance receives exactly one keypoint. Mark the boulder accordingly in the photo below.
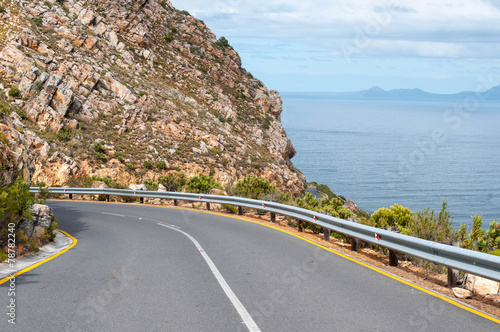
(462, 293)
(218, 192)
(138, 187)
(99, 185)
(41, 218)
(482, 286)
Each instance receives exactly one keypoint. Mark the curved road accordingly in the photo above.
(138, 268)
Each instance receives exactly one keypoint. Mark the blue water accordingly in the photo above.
(415, 154)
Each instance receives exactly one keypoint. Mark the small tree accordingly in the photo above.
(253, 187)
(396, 215)
(173, 181)
(202, 184)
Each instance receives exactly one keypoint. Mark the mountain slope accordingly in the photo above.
(108, 88)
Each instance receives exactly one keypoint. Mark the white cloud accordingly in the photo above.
(283, 36)
(448, 24)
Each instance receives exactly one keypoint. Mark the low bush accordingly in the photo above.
(14, 92)
(202, 184)
(253, 187)
(161, 165)
(151, 185)
(173, 181)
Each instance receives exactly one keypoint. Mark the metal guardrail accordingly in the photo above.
(474, 262)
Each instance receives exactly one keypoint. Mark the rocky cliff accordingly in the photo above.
(120, 89)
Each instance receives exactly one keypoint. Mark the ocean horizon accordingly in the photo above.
(411, 153)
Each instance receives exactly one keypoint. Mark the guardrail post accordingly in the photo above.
(299, 226)
(142, 200)
(208, 206)
(354, 241)
(70, 196)
(453, 274)
(326, 231)
(176, 203)
(393, 258)
(240, 210)
(273, 217)
(107, 198)
(326, 235)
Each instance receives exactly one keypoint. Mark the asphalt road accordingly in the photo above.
(314, 192)
(133, 270)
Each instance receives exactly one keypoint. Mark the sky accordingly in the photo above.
(441, 46)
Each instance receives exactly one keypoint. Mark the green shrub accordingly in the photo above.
(129, 167)
(253, 187)
(4, 109)
(14, 92)
(64, 135)
(163, 4)
(427, 225)
(2, 9)
(38, 86)
(22, 114)
(222, 42)
(202, 184)
(147, 164)
(101, 157)
(160, 165)
(99, 148)
(151, 185)
(15, 203)
(230, 208)
(37, 21)
(173, 181)
(169, 38)
(396, 215)
(118, 156)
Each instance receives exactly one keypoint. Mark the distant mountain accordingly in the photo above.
(377, 93)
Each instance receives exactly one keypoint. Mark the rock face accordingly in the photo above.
(41, 219)
(15, 146)
(147, 82)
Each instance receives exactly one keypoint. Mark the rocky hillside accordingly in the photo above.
(131, 90)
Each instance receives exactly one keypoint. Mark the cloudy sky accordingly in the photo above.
(442, 46)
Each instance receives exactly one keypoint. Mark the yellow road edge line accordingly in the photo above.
(31, 267)
(387, 274)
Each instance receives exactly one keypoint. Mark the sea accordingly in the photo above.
(411, 153)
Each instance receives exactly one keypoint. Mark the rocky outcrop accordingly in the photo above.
(15, 150)
(149, 83)
(38, 226)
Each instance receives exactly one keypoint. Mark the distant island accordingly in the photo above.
(377, 93)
